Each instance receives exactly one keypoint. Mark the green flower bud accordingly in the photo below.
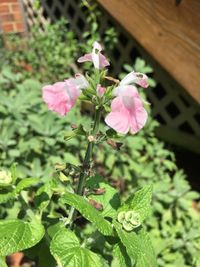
(127, 226)
(121, 216)
(135, 219)
(129, 215)
(5, 178)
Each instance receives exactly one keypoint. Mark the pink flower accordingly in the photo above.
(61, 96)
(100, 90)
(127, 111)
(135, 77)
(98, 59)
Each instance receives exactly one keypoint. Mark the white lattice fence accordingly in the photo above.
(172, 106)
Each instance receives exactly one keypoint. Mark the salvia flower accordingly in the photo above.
(135, 77)
(127, 111)
(98, 59)
(61, 96)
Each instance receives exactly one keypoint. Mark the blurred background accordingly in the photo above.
(40, 42)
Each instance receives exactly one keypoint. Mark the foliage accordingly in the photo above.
(47, 55)
(33, 137)
(33, 206)
(174, 226)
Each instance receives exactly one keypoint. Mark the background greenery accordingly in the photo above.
(33, 137)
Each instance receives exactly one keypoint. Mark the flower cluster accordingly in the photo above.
(129, 219)
(127, 110)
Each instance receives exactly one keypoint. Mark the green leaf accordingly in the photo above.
(109, 199)
(139, 202)
(68, 252)
(53, 229)
(27, 182)
(43, 196)
(2, 262)
(17, 235)
(5, 197)
(120, 256)
(70, 158)
(88, 211)
(138, 246)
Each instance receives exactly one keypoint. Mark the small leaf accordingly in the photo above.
(139, 202)
(88, 211)
(66, 249)
(5, 197)
(26, 183)
(138, 246)
(17, 235)
(69, 135)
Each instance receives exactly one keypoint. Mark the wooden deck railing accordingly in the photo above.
(169, 30)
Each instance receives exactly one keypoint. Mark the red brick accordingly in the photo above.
(4, 8)
(17, 16)
(7, 17)
(8, 27)
(15, 7)
(8, 1)
(19, 27)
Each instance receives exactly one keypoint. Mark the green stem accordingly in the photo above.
(85, 165)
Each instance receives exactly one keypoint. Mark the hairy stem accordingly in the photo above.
(85, 166)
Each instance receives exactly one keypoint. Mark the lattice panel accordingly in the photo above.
(172, 106)
(34, 16)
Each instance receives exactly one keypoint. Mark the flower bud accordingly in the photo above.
(100, 90)
(91, 138)
(5, 178)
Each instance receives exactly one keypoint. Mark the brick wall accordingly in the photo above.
(11, 16)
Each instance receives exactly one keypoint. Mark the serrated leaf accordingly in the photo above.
(66, 249)
(17, 235)
(88, 211)
(109, 199)
(138, 246)
(140, 202)
(120, 256)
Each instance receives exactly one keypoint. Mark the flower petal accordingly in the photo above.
(118, 118)
(138, 118)
(80, 81)
(61, 96)
(103, 62)
(97, 46)
(135, 77)
(72, 91)
(125, 90)
(85, 58)
(56, 98)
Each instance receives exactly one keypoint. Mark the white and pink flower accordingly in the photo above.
(61, 96)
(135, 77)
(127, 110)
(98, 59)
